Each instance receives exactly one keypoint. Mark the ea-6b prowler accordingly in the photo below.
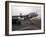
(18, 19)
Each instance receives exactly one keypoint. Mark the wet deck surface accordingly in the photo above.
(28, 25)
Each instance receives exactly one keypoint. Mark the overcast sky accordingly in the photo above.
(16, 10)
